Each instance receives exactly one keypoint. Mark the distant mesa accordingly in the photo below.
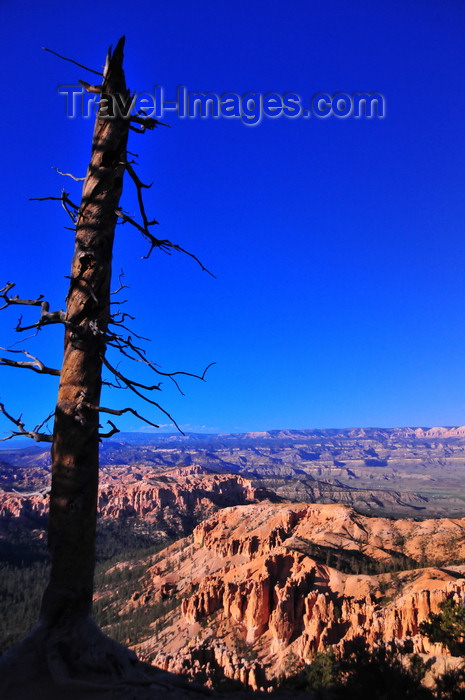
(398, 472)
(258, 434)
(279, 556)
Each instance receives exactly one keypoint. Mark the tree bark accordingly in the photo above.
(66, 654)
(75, 448)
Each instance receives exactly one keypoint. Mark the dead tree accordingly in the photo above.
(75, 461)
(66, 633)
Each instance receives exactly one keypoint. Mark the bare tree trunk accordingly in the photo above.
(75, 449)
(67, 652)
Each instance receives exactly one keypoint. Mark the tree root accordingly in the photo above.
(80, 661)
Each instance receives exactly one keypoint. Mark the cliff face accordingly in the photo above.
(185, 490)
(29, 508)
(177, 498)
(256, 531)
(261, 583)
(290, 597)
(403, 472)
(255, 588)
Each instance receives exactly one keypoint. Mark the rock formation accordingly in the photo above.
(258, 582)
(254, 588)
(177, 499)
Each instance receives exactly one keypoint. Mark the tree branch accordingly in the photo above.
(132, 386)
(129, 382)
(111, 432)
(121, 285)
(121, 344)
(35, 364)
(46, 420)
(145, 123)
(120, 323)
(139, 186)
(43, 492)
(10, 301)
(155, 242)
(46, 317)
(71, 61)
(65, 202)
(73, 177)
(38, 437)
(165, 245)
(120, 412)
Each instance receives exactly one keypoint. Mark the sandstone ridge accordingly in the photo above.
(256, 589)
(175, 499)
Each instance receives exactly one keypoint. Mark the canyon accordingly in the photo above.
(238, 558)
(258, 589)
(168, 504)
(400, 472)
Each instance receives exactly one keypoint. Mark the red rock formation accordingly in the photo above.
(185, 491)
(14, 505)
(266, 591)
(259, 574)
(212, 661)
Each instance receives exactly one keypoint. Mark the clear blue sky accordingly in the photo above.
(338, 244)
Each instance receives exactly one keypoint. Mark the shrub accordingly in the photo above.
(447, 627)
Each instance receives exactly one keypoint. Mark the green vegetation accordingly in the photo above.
(320, 677)
(24, 571)
(384, 673)
(354, 561)
(23, 576)
(447, 627)
(21, 589)
(131, 627)
(243, 649)
(381, 674)
(451, 685)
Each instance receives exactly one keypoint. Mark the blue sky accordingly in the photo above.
(338, 244)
